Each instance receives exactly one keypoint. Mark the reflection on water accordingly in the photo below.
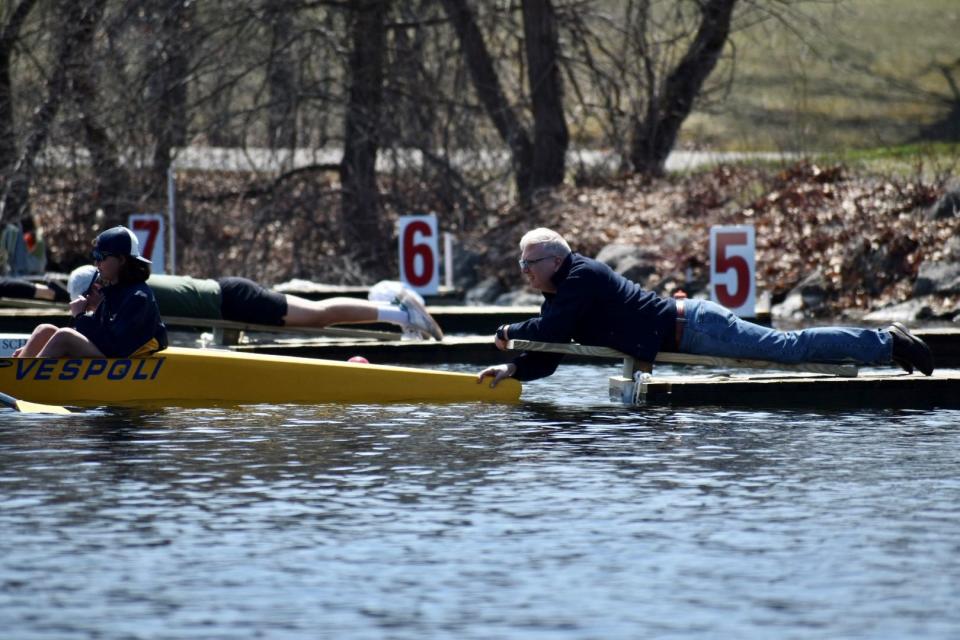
(564, 516)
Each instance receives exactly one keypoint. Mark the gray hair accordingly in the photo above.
(552, 241)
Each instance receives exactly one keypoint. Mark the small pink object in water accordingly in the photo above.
(359, 359)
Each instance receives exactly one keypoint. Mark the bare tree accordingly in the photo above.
(78, 21)
(167, 84)
(550, 139)
(281, 77)
(655, 131)
(538, 163)
(82, 83)
(361, 223)
(463, 83)
(9, 35)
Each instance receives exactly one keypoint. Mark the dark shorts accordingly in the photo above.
(244, 300)
(13, 288)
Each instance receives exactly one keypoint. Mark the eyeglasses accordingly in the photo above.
(100, 256)
(526, 264)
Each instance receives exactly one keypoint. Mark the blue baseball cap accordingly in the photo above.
(118, 241)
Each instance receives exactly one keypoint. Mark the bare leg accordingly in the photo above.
(70, 342)
(43, 292)
(37, 341)
(320, 313)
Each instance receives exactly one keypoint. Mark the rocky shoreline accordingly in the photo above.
(829, 244)
(833, 242)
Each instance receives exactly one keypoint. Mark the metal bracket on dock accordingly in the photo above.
(630, 391)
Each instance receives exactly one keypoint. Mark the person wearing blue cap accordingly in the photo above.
(116, 317)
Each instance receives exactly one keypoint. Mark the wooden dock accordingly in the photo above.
(476, 350)
(868, 390)
(817, 385)
(17, 317)
(317, 291)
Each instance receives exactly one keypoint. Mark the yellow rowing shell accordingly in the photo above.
(193, 377)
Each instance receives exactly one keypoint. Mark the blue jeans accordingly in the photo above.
(713, 330)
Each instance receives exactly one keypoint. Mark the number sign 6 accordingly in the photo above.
(418, 253)
(732, 268)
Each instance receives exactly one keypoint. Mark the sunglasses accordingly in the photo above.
(526, 264)
(100, 256)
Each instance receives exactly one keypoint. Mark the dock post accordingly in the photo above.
(630, 386)
(226, 337)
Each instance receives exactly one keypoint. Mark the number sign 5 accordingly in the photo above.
(419, 266)
(732, 269)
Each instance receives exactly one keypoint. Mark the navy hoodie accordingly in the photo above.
(126, 319)
(597, 306)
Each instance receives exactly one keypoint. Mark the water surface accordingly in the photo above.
(562, 517)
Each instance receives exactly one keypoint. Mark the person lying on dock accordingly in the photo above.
(243, 300)
(116, 316)
(587, 302)
(18, 288)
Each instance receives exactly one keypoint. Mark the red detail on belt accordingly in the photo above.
(681, 322)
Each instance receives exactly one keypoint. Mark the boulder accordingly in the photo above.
(948, 206)
(485, 292)
(806, 298)
(937, 278)
(790, 309)
(906, 312)
(951, 249)
(519, 298)
(631, 261)
(466, 264)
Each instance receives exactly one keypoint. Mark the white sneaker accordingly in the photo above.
(419, 319)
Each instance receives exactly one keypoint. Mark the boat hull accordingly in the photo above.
(191, 377)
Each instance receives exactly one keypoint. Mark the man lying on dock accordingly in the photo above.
(243, 300)
(587, 302)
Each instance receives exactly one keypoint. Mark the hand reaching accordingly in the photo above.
(497, 372)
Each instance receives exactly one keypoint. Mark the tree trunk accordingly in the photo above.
(167, 87)
(16, 196)
(550, 139)
(111, 182)
(9, 35)
(363, 230)
(655, 134)
(491, 95)
(281, 79)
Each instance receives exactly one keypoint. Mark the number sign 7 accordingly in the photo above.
(149, 229)
(152, 227)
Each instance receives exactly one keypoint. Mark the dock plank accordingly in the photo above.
(666, 357)
(883, 390)
(23, 316)
(460, 349)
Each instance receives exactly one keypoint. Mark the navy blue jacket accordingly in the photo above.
(126, 319)
(597, 306)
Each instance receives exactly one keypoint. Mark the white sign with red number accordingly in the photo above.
(419, 253)
(150, 231)
(733, 269)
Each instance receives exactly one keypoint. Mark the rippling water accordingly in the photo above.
(562, 517)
